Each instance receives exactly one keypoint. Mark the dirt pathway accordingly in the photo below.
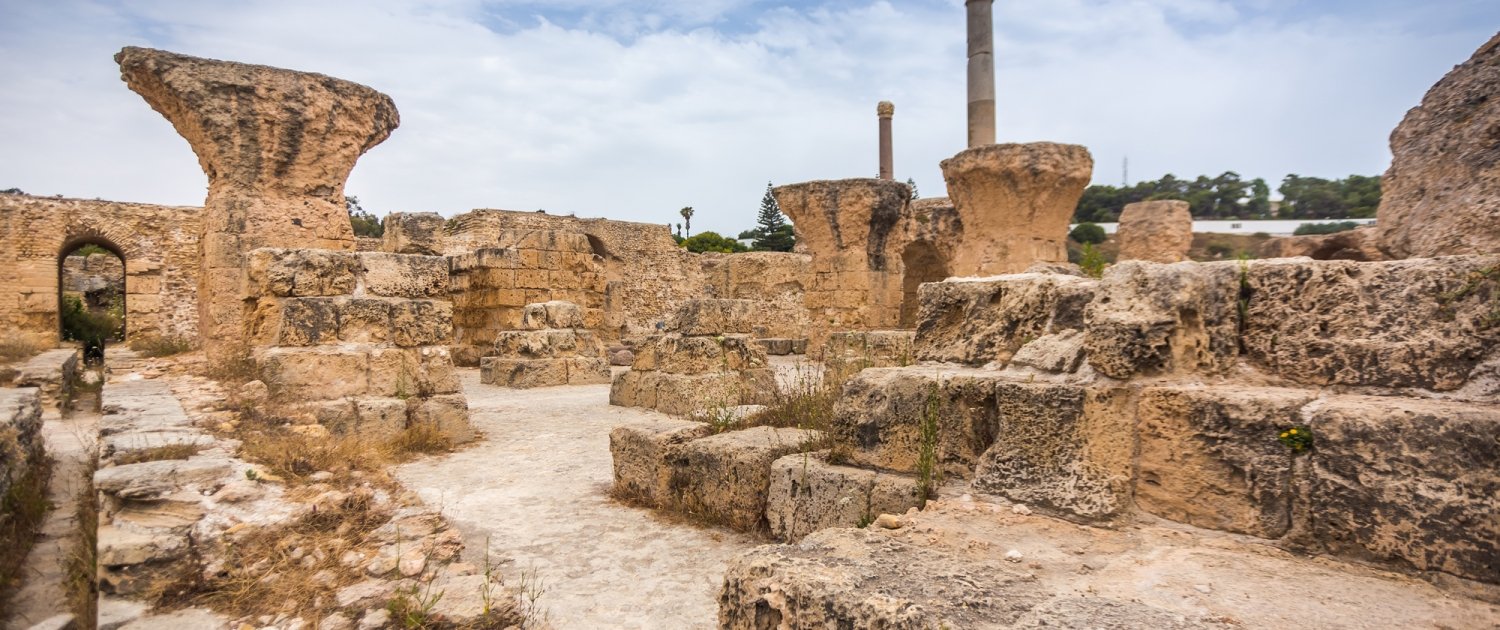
(69, 442)
(537, 487)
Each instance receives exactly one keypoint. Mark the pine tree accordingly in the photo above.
(913, 183)
(772, 232)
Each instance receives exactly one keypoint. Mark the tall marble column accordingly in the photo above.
(981, 72)
(886, 110)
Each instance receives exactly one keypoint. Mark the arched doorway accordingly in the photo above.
(921, 263)
(91, 290)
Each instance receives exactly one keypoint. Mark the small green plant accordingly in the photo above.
(929, 475)
(1298, 438)
(251, 474)
(865, 520)
(161, 345)
(411, 606)
(1092, 261)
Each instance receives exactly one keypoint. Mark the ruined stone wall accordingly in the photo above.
(158, 243)
(775, 282)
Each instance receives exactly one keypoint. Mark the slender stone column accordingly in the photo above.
(981, 72)
(885, 110)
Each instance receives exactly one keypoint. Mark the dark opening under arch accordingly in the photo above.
(922, 263)
(106, 300)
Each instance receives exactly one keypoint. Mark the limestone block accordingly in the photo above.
(634, 388)
(1149, 318)
(150, 481)
(850, 215)
(449, 412)
(683, 394)
(421, 322)
(1061, 447)
(414, 233)
(1060, 353)
(553, 314)
(1155, 231)
(523, 373)
(880, 417)
(1209, 456)
(874, 348)
(403, 275)
(1441, 195)
(547, 344)
(405, 372)
(21, 444)
(977, 321)
(808, 494)
(717, 317)
(726, 477)
(366, 320)
(299, 273)
(697, 355)
(1407, 481)
(776, 347)
(639, 453)
(1424, 323)
(1015, 202)
(1358, 244)
(317, 373)
(118, 546)
(588, 371)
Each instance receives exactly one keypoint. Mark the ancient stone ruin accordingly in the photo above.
(924, 417)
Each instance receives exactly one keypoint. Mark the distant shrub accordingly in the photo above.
(1092, 261)
(1219, 250)
(712, 242)
(1324, 228)
(161, 346)
(1087, 233)
(81, 324)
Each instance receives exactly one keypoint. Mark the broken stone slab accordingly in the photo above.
(1156, 231)
(552, 314)
(51, 371)
(114, 447)
(120, 546)
(872, 348)
(808, 493)
(639, 452)
(1210, 456)
(725, 478)
(1060, 353)
(1441, 195)
(527, 373)
(1405, 482)
(1154, 319)
(148, 481)
(1421, 323)
(978, 321)
(1061, 447)
(414, 233)
(1015, 202)
(881, 415)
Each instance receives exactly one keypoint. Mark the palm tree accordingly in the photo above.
(687, 216)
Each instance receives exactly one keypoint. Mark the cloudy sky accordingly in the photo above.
(631, 109)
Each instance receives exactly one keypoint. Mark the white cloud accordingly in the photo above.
(631, 110)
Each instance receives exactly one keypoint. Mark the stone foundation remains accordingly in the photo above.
(552, 349)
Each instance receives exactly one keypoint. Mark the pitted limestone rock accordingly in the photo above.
(726, 477)
(1158, 231)
(873, 348)
(639, 452)
(978, 321)
(552, 349)
(414, 233)
(808, 493)
(1025, 192)
(1149, 318)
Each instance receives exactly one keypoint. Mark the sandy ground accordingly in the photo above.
(536, 486)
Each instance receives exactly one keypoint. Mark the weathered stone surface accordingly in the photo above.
(300, 273)
(682, 394)
(1026, 192)
(874, 348)
(1155, 231)
(725, 477)
(317, 373)
(548, 344)
(1061, 353)
(1406, 481)
(1061, 447)
(276, 145)
(717, 317)
(639, 452)
(553, 314)
(448, 412)
(808, 494)
(1150, 319)
(850, 215)
(154, 480)
(414, 233)
(526, 373)
(1427, 323)
(1209, 456)
(403, 275)
(978, 321)
(1358, 244)
(21, 448)
(698, 355)
(1441, 195)
(880, 417)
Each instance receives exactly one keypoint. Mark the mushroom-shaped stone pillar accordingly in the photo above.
(886, 110)
(277, 146)
(1015, 202)
(981, 72)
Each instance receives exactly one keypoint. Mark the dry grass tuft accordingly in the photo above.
(162, 346)
(158, 453)
(22, 510)
(17, 347)
(81, 560)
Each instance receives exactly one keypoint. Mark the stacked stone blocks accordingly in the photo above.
(553, 348)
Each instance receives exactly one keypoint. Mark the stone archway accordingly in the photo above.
(78, 275)
(921, 262)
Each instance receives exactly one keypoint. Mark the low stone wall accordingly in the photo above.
(21, 448)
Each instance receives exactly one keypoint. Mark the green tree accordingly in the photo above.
(712, 242)
(1088, 234)
(1259, 206)
(12, 191)
(687, 217)
(772, 233)
(913, 183)
(363, 222)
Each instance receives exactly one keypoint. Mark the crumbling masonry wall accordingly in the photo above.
(158, 243)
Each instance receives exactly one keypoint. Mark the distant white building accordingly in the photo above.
(1247, 226)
